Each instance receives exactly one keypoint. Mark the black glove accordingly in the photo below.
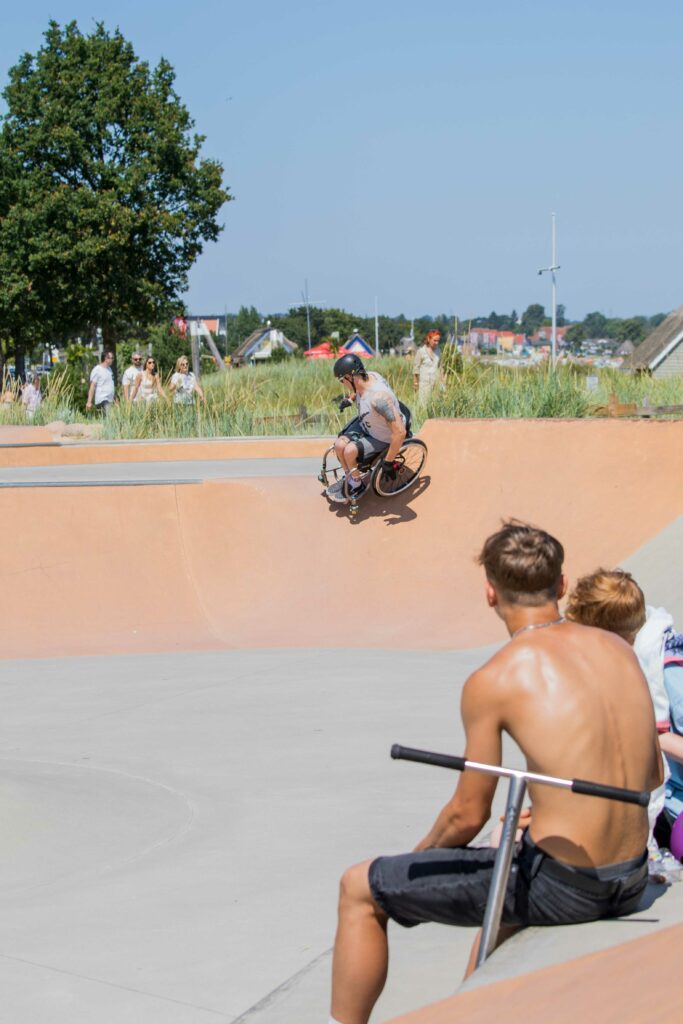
(343, 403)
(389, 469)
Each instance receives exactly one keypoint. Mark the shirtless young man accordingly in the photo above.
(575, 701)
(379, 426)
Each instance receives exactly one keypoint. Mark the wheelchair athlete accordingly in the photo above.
(379, 428)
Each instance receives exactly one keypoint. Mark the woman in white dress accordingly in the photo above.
(148, 385)
(183, 385)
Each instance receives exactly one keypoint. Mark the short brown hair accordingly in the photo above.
(523, 563)
(609, 599)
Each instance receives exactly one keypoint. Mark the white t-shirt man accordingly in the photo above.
(103, 379)
(130, 375)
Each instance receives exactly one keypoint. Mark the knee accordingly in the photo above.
(354, 886)
(351, 452)
(339, 445)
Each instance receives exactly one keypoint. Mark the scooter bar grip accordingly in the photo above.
(400, 753)
(626, 796)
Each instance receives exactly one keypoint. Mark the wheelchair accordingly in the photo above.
(408, 465)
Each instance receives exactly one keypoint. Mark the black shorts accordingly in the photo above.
(451, 886)
(367, 446)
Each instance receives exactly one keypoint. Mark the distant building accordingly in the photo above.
(261, 344)
(626, 348)
(662, 351)
(356, 345)
(407, 346)
(215, 324)
(544, 335)
(487, 337)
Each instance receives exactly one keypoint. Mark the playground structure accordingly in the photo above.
(186, 686)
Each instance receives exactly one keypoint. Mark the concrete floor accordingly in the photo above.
(174, 827)
(129, 473)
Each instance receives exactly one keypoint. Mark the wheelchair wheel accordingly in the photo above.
(412, 457)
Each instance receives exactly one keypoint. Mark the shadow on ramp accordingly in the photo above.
(393, 511)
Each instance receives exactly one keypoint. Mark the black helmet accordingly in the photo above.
(348, 365)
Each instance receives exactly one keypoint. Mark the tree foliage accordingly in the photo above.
(105, 202)
(532, 318)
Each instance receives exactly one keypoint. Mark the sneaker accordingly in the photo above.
(360, 488)
(336, 491)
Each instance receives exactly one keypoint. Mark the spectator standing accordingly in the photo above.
(130, 376)
(148, 385)
(102, 391)
(31, 396)
(184, 384)
(426, 366)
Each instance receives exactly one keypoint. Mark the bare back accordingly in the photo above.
(577, 704)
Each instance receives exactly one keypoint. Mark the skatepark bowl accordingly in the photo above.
(204, 667)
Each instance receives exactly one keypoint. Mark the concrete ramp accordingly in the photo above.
(267, 562)
(635, 983)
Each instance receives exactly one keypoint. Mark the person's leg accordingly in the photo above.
(361, 953)
(340, 446)
(350, 460)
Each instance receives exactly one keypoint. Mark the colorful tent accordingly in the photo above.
(320, 352)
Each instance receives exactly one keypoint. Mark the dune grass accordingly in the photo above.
(294, 398)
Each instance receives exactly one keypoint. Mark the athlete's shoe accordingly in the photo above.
(361, 488)
(336, 491)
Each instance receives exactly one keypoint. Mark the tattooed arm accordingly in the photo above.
(389, 410)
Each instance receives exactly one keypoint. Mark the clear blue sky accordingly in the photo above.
(415, 151)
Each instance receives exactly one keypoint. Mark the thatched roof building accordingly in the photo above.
(662, 351)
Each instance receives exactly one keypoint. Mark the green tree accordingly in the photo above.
(248, 319)
(339, 321)
(294, 325)
(576, 333)
(532, 318)
(594, 325)
(633, 329)
(105, 202)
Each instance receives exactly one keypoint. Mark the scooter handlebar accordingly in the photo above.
(400, 753)
(582, 786)
(626, 796)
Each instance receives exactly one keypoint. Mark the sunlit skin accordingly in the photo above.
(560, 693)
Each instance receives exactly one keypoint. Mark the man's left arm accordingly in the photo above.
(389, 410)
(469, 808)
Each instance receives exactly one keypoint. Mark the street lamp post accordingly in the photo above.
(551, 270)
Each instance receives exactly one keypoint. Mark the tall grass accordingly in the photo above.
(57, 403)
(295, 398)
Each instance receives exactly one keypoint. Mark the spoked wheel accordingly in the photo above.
(411, 459)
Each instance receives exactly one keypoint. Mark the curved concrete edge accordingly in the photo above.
(47, 452)
(634, 983)
(661, 907)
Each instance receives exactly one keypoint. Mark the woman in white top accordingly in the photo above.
(148, 385)
(184, 383)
